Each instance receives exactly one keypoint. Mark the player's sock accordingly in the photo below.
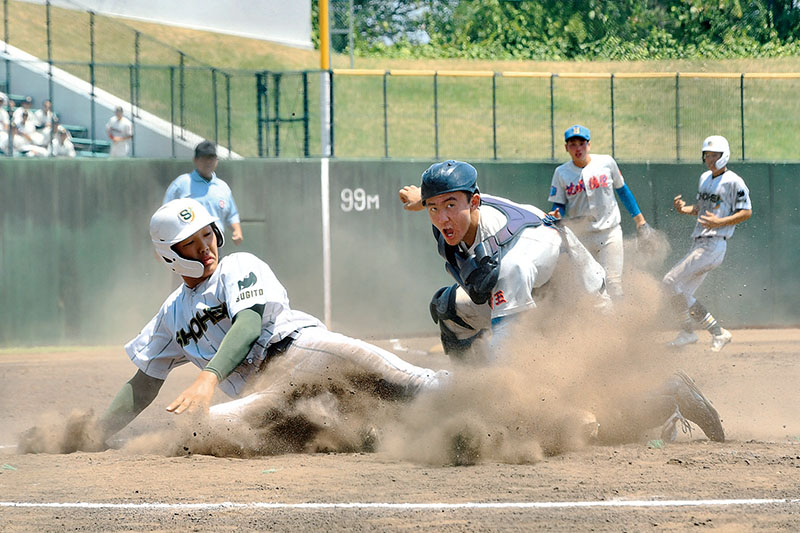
(678, 303)
(700, 314)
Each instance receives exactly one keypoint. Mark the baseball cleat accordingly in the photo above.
(683, 338)
(695, 407)
(718, 342)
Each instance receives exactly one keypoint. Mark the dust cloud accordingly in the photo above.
(569, 375)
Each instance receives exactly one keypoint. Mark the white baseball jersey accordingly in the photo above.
(723, 196)
(526, 263)
(589, 191)
(191, 323)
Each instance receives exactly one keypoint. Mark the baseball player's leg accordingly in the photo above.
(587, 269)
(319, 350)
(672, 406)
(317, 354)
(610, 255)
(684, 279)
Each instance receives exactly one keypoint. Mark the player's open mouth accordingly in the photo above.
(207, 260)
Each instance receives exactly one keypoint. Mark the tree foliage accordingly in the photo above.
(576, 29)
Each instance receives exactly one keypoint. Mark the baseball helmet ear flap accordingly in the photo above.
(175, 221)
(449, 176)
(718, 143)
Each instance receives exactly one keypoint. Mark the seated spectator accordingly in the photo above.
(27, 129)
(27, 104)
(61, 146)
(46, 120)
(21, 145)
(5, 123)
(4, 119)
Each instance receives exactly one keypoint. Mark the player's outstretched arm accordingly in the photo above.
(411, 196)
(132, 399)
(244, 332)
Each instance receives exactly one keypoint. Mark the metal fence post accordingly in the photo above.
(9, 149)
(181, 87)
(172, 108)
(436, 113)
(332, 108)
(91, 77)
(49, 53)
(305, 114)
(132, 77)
(276, 77)
(613, 125)
(216, 109)
(5, 28)
(494, 115)
(741, 101)
(260, 113)
(385, 118)
(677, 117)
(228, 110)
(552, 118)
(136, 38)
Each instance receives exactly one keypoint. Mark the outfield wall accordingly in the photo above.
(76, 264)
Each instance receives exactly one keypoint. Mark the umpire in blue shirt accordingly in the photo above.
(203, 185)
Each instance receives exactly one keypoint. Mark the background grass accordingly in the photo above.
(461, 126)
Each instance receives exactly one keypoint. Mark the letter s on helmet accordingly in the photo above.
(449, 176)
(718, 143)
(175, 221)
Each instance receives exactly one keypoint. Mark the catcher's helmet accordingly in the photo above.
(175, 221)
(718, 143)
(449, 176)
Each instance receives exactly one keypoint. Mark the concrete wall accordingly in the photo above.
(76, 264)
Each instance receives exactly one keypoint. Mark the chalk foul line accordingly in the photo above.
(406, 506)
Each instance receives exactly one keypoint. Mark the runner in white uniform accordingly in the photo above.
(499, 252)
(583, 190)
(723, 200)
(232, 320)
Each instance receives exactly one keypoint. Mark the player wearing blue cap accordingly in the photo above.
(583, 190)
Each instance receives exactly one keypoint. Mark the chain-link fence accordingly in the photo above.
(384, 114)
(522, 115)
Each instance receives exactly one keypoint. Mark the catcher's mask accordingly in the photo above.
(175, 221)
(718, 143)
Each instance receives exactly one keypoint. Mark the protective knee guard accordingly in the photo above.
(443, 308)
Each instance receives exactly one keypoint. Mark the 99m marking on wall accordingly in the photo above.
(359, 200)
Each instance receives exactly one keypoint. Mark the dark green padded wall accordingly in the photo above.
(76, 264)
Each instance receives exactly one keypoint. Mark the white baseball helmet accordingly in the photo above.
(175, 221)
(718, 143)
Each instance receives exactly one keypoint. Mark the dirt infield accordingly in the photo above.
(748, 482)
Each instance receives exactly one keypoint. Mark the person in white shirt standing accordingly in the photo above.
(120, 131)
(583, 190)
(723, 200)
